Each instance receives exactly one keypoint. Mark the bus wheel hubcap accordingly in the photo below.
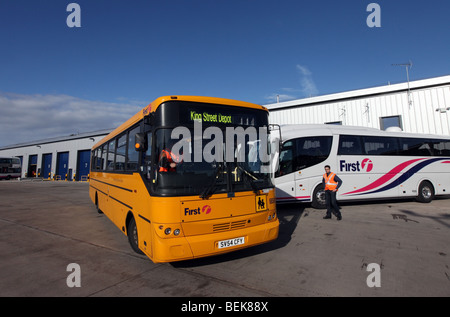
(321, 197)
(426, 192)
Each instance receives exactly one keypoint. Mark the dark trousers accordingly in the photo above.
(332, 206)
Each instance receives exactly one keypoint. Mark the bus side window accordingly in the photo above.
(311, 151)
(121, 153)
(350, 145)
(104, 156)
(441, 147)
(132, 154)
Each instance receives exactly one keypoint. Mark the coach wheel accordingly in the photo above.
(318, 199)
(133, 236)
(426, 192)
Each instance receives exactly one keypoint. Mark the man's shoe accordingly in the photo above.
(339, 218)
(327, 217)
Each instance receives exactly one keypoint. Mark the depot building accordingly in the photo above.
(421, 106)
(59, 158)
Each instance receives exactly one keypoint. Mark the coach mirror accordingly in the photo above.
(139, 142)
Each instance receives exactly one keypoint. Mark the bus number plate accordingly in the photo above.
(231, 242)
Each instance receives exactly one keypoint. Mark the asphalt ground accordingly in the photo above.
(384, 248)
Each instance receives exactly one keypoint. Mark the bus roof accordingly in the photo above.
(157, 102)
(292, 131)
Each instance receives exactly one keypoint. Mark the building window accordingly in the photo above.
(392, 121)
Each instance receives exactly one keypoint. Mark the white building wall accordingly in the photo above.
(365, 109)
(71, 146)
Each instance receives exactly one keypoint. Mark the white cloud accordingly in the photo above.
(307, 88)
(26, 118)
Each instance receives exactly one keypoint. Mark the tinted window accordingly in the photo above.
(350, 145)
(286, 156)
(303, 152)
(415, 147)
(441, 147)
(311, 151)
(374, 145)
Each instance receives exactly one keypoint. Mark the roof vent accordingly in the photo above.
(394, 129)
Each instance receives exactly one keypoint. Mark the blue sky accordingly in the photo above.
(127, 53)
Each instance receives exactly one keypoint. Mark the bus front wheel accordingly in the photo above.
(426, 192)
(318, 199)
(133, 236)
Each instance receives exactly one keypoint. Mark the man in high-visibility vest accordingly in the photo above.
(332, 183)
(168, 161)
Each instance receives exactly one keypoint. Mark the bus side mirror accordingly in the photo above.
(139, 142)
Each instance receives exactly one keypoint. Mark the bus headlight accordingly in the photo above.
(167, 231)
(176, 232)
(272, 216)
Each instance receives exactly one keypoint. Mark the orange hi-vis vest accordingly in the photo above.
(330, 183)
(171, 158)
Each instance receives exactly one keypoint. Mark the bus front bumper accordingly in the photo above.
(191, 247)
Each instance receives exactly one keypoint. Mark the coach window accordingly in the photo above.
(286, 156)
(350, 145)
(416, 147)
(311, 151)
(441, 147)
(375, 145)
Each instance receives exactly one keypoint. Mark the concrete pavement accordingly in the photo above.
(45, 226)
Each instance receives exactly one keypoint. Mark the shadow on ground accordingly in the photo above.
(289, 216)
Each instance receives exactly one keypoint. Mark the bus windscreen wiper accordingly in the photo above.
(255, 182)
(209, 190)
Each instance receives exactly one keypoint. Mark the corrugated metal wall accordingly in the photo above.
(419, 117)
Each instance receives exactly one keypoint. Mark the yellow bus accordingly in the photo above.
(200, 202)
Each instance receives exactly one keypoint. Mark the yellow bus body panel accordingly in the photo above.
(202, 222)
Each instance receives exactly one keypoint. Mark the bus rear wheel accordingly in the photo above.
(318, 199)
(133, 236)
(426, 192)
